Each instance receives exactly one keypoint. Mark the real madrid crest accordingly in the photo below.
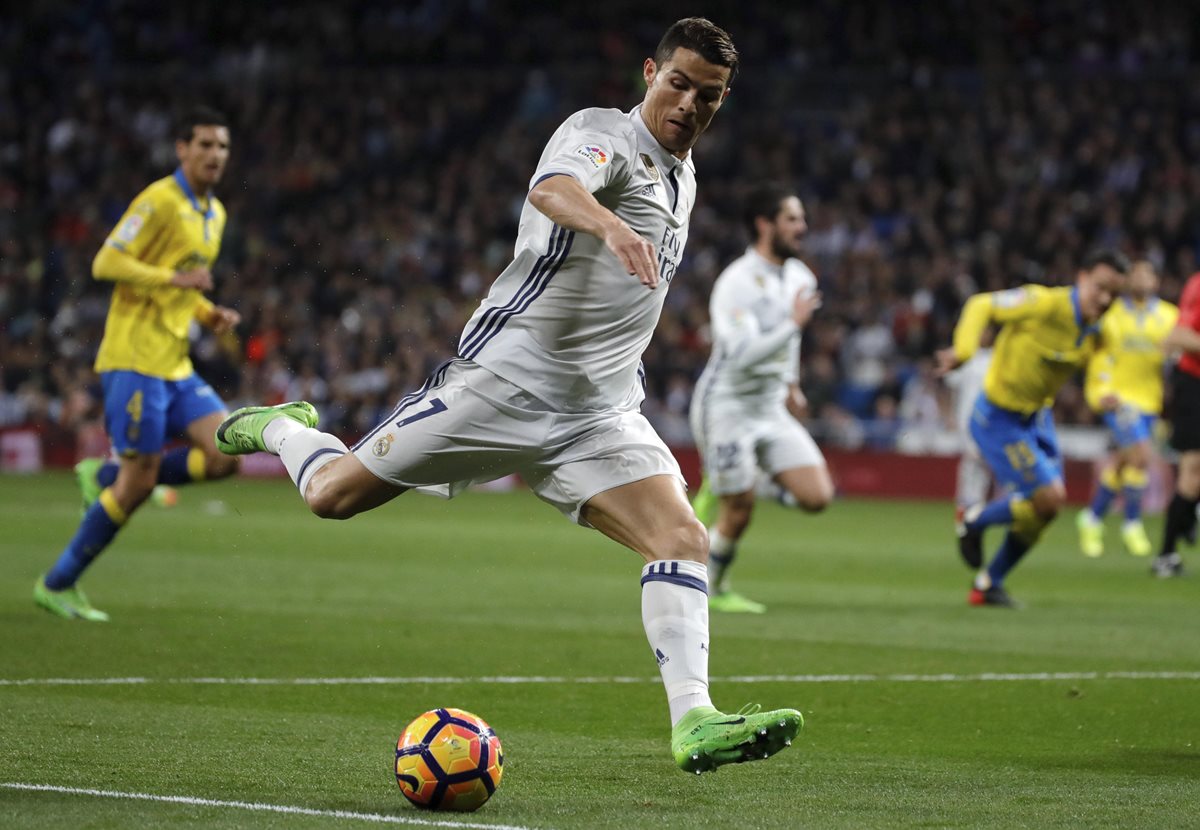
(651, 170)
(383, 445)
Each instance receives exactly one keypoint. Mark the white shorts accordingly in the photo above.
(468, 426)
(736, 441)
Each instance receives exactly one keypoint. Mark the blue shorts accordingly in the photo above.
(141, 412)
(1021, 450)
(1129, 426)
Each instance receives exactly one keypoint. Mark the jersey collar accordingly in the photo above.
(667, 161)
(1084, 328)
(208, 213)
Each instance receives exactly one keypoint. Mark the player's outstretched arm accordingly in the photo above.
(114, 265)
(569, 204)
(1184, 339)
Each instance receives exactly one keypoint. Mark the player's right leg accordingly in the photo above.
(331, 480)
(135, 408)
(652, 517)
(733, 517)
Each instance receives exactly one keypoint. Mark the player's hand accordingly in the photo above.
(1110, 403)
(635, 253)
(797, 404)
(222, 319)
(803, 306)
(200, 278)
(947, 361)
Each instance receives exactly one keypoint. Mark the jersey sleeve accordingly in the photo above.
(120, 258)
(594, 146)
(1024, 303)
(736, 328)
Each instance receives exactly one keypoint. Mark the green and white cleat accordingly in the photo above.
(731, 602)
(69, 603)
(1091, 533)
(706, 738)
(241, 433)
(705, 504)
(85, 474)
(1133, 534)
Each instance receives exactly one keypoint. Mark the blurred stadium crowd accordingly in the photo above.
(381, 155)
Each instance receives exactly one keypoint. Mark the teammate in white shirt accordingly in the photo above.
(747, 403)
(547, 380)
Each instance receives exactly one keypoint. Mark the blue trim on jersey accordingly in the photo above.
(182, 181)
(434, 380)
(551, 175)
(1021, 450)
(533, 287)
(1129, 425)
(1084, 328)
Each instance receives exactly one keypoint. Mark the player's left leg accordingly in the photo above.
(1135, 477)
(652, 517)
(1089, 521)
(733, 517)
(1181, 512)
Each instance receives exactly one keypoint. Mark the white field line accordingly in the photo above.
(986, 677)
(377, 818)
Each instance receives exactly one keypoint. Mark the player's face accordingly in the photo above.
(1097, 289)
(682, 96)
(1143, 281)
(204, 157)
(788, 229)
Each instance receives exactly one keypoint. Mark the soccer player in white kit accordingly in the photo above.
(547, 382)
(973, 483)
(745, 410)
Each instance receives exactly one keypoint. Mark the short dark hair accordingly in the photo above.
(1111, 257)
(705, 38)
(765, 200)
(189, 119)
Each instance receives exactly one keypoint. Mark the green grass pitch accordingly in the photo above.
(240, 581)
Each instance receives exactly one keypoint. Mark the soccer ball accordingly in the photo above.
(448, 759)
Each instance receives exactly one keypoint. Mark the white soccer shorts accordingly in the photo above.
(735, 442)
(467, 426)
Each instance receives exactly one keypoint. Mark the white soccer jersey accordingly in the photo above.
(756, 344)
(565, 320)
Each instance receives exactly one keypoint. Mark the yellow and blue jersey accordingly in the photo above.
(166, 229)
(1043, 341)
(1130, 364)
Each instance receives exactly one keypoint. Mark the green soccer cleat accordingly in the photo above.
(1133, 534)
(85, 474)
(69, 603)
(1091, 534)
(731, 602)
(241, 433)
(706, 738)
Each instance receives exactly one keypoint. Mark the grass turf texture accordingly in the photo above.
(240, 581)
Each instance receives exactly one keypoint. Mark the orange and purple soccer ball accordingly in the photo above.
(448, 759)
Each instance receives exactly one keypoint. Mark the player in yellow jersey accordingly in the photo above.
(1130, 366)
(1046, 335)
(158, 258)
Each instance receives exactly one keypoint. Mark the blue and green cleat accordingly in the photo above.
(731, 602)
(706, 738)
(69, 603)
(242, 432)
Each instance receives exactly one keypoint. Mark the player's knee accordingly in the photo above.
(1048, 501)
(218, 465)
(687, 540)
(816, 499)
(328, 499)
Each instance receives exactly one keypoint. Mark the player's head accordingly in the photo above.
(1101, 277)
(1142, 282)
(202, 145)
(774, 216)
(686, 82)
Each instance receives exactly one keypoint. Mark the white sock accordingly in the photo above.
(675, 616)
(303, 451)
(721, 550)
(278, 431)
